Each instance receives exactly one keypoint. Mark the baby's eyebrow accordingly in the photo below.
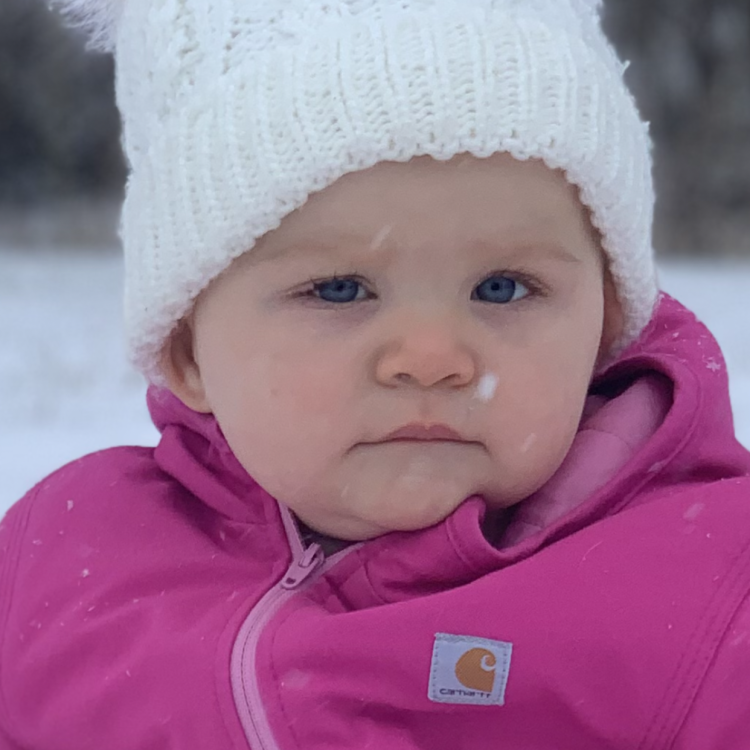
(523, 250)
(316, 245)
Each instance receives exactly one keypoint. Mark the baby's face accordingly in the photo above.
(467, 294)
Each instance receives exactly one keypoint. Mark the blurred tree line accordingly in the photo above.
(59, 130)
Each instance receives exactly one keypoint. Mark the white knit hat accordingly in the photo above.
(235, 111)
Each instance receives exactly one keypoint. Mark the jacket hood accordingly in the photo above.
(694, 442)
(195, 452)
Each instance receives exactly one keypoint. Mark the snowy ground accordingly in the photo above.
(66, 390)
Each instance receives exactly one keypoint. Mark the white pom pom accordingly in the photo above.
(97, 18)
(589, 6)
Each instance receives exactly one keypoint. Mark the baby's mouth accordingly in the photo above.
(425, 432)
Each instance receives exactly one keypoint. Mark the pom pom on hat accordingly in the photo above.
(97, 18)
(235, 111)
(590, 5)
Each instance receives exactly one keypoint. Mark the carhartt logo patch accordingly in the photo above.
(466, 669)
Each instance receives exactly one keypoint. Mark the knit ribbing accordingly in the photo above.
(235, 112)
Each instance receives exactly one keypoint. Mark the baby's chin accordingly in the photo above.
(362, 519)
(353, 529)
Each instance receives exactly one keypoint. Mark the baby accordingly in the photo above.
(439, 466)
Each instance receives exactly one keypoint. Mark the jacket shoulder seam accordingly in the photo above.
(744, 603)
(693, 670)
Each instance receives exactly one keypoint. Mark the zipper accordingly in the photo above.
(307, 565)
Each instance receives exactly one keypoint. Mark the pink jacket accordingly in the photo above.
(159, 598)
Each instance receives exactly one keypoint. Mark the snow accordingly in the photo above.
(66, 388)
(487, 387)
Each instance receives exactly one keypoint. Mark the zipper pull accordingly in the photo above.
(300, 570)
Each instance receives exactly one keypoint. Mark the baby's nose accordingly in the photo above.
(426, 359)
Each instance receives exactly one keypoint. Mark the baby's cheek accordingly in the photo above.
(316, 393)
(304, 382)
(554, 441)
(284, 466)
(530, 446)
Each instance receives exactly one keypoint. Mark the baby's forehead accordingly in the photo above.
(385, 246)
(473, 205)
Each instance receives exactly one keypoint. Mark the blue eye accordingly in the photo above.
(500, 290)
(338, 291)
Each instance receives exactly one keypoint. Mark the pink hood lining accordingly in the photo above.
(611, 433)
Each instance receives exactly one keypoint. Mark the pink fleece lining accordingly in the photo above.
(611, 432)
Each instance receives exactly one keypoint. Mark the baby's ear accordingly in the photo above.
(181, 370)
(613, 318)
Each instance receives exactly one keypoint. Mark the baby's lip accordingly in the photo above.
(418, 431)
